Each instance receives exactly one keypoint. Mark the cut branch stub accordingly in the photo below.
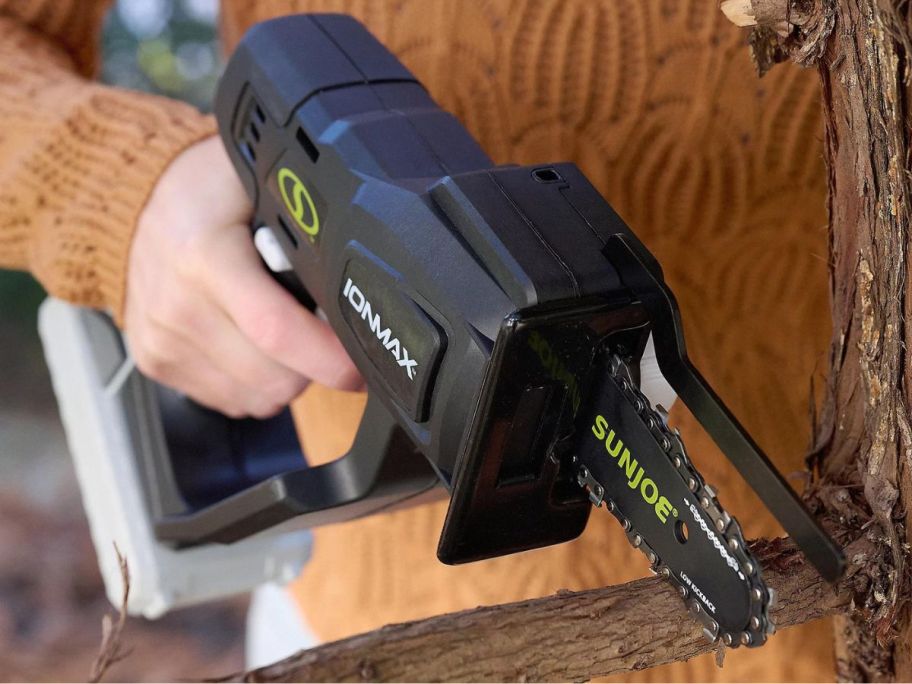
(774, 14)
(783, 29)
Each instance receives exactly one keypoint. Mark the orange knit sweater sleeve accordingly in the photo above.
(77, 159)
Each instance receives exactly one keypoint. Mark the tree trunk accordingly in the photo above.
(864, 437)
(861, 49)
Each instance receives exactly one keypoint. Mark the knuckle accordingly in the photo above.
(216, 401)
(234, 412)
(270, 331)
(153, 354)
(346, 377)
(173, 311)
(288, 388)
(194, 248)
(266, 409)
(151, 363)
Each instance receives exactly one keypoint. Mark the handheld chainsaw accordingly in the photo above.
(499, 315)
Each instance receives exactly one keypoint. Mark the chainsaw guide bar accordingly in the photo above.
(630, 459)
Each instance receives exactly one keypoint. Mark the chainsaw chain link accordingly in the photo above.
(669, 439)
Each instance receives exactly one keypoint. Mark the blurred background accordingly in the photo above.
(51, 597)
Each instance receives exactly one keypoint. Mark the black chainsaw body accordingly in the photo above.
(475, 299)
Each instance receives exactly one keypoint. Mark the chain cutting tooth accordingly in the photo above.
(711, 631)
(722, 523)
(595, 490)
(773, 597)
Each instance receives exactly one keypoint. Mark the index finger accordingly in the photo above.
(271, 317)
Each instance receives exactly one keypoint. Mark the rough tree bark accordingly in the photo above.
(863, 439)
(861, 49)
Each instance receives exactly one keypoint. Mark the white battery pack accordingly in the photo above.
(91, 369)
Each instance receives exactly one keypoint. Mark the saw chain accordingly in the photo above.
(629, 459)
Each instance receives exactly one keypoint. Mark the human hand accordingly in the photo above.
(202, 315)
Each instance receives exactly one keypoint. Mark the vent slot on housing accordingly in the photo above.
(307, 145)
(289, 233)
(248, 128)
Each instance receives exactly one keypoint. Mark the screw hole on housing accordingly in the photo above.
(680, 531)
(546, 175)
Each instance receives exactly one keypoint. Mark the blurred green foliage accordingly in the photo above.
(161, 46)
(20, 294)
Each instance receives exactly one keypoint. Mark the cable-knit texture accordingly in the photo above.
(72, 25)
(77, 159)
(720, 174)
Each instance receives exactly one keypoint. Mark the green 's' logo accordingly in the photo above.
(298, 201)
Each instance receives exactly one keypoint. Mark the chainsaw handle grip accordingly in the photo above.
(252, 493)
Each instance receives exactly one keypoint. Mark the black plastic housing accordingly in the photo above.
(404, 223)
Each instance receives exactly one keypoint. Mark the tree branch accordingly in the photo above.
(567, 636)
